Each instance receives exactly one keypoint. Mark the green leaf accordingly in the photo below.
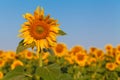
(117, 69)
(22, 47)
(51, 58)
(101, 70)
(65, 76)
(61, 32)
(50, 72)
(17, 74)
(111, 75)
(91, 68)
(85, 77)
(50, 50)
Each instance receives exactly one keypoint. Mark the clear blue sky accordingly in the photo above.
(86, 22)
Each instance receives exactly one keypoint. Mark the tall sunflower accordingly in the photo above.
(40, 29)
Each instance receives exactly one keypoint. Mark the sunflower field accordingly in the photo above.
(40, 57)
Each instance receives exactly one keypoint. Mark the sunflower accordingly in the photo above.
(92, 51)
(60, 50)
(114, 52)
(117, 59)
(110, 66)
(77, 49)
(11, 55)
(16, 63)
(109, 48)
(118, 48)
(69, 57)
(70, 60)
(22, 54)
(45, 55)
(91, 60)
(2, 63)
(1, 75)
(28, 55)
(99, 54)
(81, 58)
(40, 29)
(1, 53)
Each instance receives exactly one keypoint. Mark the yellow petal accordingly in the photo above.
(51, 43)
(29, 17)
(27, 23)
(45, 44)
(55, 29)
(39, 12)
(41, 44)
(23, 29)
(38, 46)
(52, 36)
(47, 17)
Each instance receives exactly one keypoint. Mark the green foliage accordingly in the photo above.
(111, 75)
(17, 74)
(50, 72)
(65, 76)
(61, 32)
(22, 47)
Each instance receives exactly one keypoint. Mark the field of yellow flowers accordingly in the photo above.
(59, 63)
(40, 57)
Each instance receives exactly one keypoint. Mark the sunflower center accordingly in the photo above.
(81, 57)
(59, 48)
(77, 49)
(29, 54)
(1, 62)
(110, 66)
(39, 29)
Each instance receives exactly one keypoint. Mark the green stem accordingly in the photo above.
(40, 59)
(75, 73)
(37, 77)
(39, 53)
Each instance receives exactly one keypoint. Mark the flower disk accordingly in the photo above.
(40, 29)
(60, 49)
(111, 66)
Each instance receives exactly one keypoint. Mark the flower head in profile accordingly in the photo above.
(16, 63)
(40, 29)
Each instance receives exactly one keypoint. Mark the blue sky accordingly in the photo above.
(86, 22)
